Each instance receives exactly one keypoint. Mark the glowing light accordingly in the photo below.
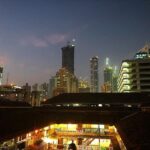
(100, 105)
(125, 70)
(46, 128)
(72, 127)
(105, 142)
(101, 126)
(47, 140)
(127, 81)
(127, 87)
(45, 133)
(36, 131)
(17, 87)
(28, 135)
(125, 64)
(126, 75)
(76, 105)
(94, 125)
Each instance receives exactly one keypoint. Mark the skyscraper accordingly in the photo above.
(52, 86)
(110, 78)
(1, 75)
(94, 74)
(68, 57)
(108, 71)
(114, 79)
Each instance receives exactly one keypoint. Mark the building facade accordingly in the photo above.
(1, 74)
(51, 86)
(94, 87)
(84, 86)
(66, 82)
(110, 78)
(68, 57)
(134, 75)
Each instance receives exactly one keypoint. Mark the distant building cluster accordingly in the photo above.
(133, 76)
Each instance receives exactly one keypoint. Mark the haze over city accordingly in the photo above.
(33, 32)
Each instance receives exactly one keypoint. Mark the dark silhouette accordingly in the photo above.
(72, 146)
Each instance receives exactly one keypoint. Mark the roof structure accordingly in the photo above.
(99, 98)
(132, 124)
(10, 103)
(134, 130)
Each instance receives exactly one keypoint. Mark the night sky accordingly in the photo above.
(32, 33)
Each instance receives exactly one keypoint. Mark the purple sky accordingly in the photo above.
(32, 33)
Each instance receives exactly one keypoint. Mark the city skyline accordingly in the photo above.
(33, 32)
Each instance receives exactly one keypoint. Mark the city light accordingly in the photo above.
(44, 102)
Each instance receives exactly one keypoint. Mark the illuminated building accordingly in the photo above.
(94, 74)
(66, 82)
(84, 86)
(143, 53)
(12, 92)
(108, 72)
(1, 74)
(106, 87)
(68, 57)
(44, 91)
(110, 78)
(134, 75)
(114, 80)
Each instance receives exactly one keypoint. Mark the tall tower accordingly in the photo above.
(94, 74)
(114, 79)
(1, 74)
(68, 57)
(110, 78)
(108, 71)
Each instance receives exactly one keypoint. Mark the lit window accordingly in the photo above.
(100, 105)
(126, 75)
(125, 64)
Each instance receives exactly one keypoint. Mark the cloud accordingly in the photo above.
(34, 41)
(56, 38)
(45, 41)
